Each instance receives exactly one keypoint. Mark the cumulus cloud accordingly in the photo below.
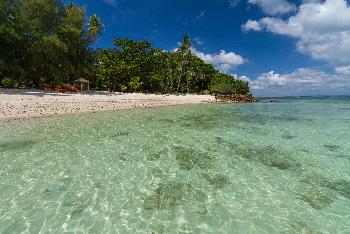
(251, 25)
(303, 81)
(270, 79)
(274, 7)
(244, 78)
(343, 70)
(321, 28)
(223, 61)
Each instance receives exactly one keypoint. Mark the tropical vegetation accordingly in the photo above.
(48, 42)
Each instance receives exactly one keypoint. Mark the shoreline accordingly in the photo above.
(31, 103)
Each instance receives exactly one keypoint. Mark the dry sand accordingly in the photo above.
(35, 103)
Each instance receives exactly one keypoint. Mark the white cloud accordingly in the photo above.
(300, 82)
(251, 25)
(111, 2)
(274, 7)
(244, 78)
(322, 30)
(343, 70)
(269, 79)
(223, 61)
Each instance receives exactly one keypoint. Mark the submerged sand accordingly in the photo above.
(35, 103)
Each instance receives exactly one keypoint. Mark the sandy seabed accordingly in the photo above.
(35, 103)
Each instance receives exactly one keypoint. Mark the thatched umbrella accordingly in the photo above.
(82, 81)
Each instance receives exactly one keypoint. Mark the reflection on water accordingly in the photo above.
(252, 168)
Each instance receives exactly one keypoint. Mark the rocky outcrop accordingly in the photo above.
(235, 98)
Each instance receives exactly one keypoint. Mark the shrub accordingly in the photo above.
(226, 84)
(60, 89)
(123, 88)
(47, 87)
(135, 83)
(71, 88)
(8, 82)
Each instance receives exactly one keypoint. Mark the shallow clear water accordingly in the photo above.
(247, 168)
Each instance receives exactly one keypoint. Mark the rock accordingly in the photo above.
(235, 98)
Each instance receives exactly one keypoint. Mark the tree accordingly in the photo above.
(95, 28)
(226, 84)
(185, 60)
(106, 69)
(48, 41)
(45, 40)
(200, 75)
(137, 66)
(129, 67)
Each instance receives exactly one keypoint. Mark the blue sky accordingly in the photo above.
(281, 47)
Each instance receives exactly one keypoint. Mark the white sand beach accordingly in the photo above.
(35, 103)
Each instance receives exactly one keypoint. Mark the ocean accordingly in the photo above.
(268, 167)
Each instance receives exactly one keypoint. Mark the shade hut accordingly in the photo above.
(83, 82)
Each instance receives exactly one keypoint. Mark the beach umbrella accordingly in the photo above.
(82, 81)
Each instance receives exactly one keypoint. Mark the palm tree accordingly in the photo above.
(95, 28)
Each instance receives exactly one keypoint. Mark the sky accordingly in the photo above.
(281, 47)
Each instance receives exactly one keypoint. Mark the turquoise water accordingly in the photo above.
(242, 168)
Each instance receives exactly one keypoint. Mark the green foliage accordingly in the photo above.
(7, 82)
(226, 84)
(135, 83)
(95, 28)
(48, 41)
(137, 66)
(45, 38)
